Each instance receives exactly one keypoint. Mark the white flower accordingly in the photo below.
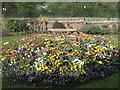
(71, 35)
(37, 48)
(10, 64)
(77, 61)
(19, 48)
(105, 48)
(37, 51)
(39, 59)
(42, 47)
(25, 54)
(28, 55)
(2, 59)
(44, 53)
(100, 62)
(96, 55)
(103, 56)
(44, 58)
(36, 65)
(6, 43)
(89, 45)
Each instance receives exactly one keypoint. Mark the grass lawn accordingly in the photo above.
(11, 38)
(109, 82)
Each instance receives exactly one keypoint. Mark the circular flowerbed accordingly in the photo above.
(59, 59)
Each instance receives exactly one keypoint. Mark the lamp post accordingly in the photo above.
(4, 18)
(84, 10)
(4, 10)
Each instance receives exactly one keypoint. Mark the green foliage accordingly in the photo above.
(104, 26)
(115, 28)
(5, 31)
(58, 25)
(105, 29)
(15, 25)
(91, 29)
(61, 9)
(118, 28)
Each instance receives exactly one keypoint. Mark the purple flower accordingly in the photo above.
(33, 53)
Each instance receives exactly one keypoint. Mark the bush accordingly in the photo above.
(58, 25)
(90, 29)
(15, 25)
(118, 28)
(114, 28)
(104, 26)
(5, 31)
(105, 29)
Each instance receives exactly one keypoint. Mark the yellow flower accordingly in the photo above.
(59, 63)
(62, 42)
(52, 48)
(87, 53)
(3, 57)
(83, 71)
(27, 65)
(103, 49)
(45, 43)
(71, 68)
(76, 50)
(43, 68)
(57, 53)
(84, 60)
(67, 54)
(95, 51)
(51, 57)
(46, 67)
(28, 49)
(79, 66)
(94, 59)
(94, 44)
(74, 66)
(21, 67)
(39, 69)
(50, 70)
(60, 69)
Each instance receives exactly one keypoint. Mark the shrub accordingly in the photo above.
(15, 25)
(58, 25)
(5, 31)
(90, 29)
(118, 28)
(104, 26)
(114, 28)
(105, 29)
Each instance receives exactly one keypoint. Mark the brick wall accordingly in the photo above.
(83, 23)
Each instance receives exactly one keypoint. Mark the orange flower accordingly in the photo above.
(116, 55)
(23, 58)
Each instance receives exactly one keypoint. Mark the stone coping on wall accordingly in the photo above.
(62, 30)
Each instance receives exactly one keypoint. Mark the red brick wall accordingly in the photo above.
(81, 24)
